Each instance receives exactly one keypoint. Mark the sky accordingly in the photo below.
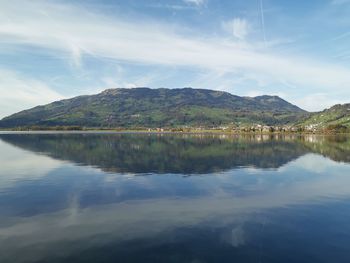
(51, 50)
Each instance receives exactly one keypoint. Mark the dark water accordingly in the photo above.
(174, 198)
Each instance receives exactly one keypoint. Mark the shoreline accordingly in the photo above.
(203, 132)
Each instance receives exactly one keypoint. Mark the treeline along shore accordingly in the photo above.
(186, 129)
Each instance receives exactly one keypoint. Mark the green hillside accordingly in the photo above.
(334, 118)
(145, 107)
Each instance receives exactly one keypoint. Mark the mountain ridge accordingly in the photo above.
(146, 107)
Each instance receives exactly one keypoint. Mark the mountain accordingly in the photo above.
(334, 118)
(145, 107)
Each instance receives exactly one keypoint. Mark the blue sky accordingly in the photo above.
(51, 50)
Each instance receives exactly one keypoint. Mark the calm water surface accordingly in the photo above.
(174, 198)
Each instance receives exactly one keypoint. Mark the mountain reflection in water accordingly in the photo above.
(190, 154)
(205, 198)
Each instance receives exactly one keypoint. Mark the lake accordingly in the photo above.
(112, 197)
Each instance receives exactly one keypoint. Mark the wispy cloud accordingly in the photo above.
(341, 36)
(317, 101)
(176, 7)
(195, 2)
(20, 93)
(340, 2)
(58, 27)
(120, 80)
(262, 19)
(238, 27)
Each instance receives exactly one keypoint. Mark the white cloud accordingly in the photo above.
(121, 79)
(238, 27)
(340, 2)
(255, 93)
(317, 101)
(58, 28)
(194, 2)
(341, 36)
(20, 93)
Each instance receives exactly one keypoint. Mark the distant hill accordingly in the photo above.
(145, 107)
(336, 117)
